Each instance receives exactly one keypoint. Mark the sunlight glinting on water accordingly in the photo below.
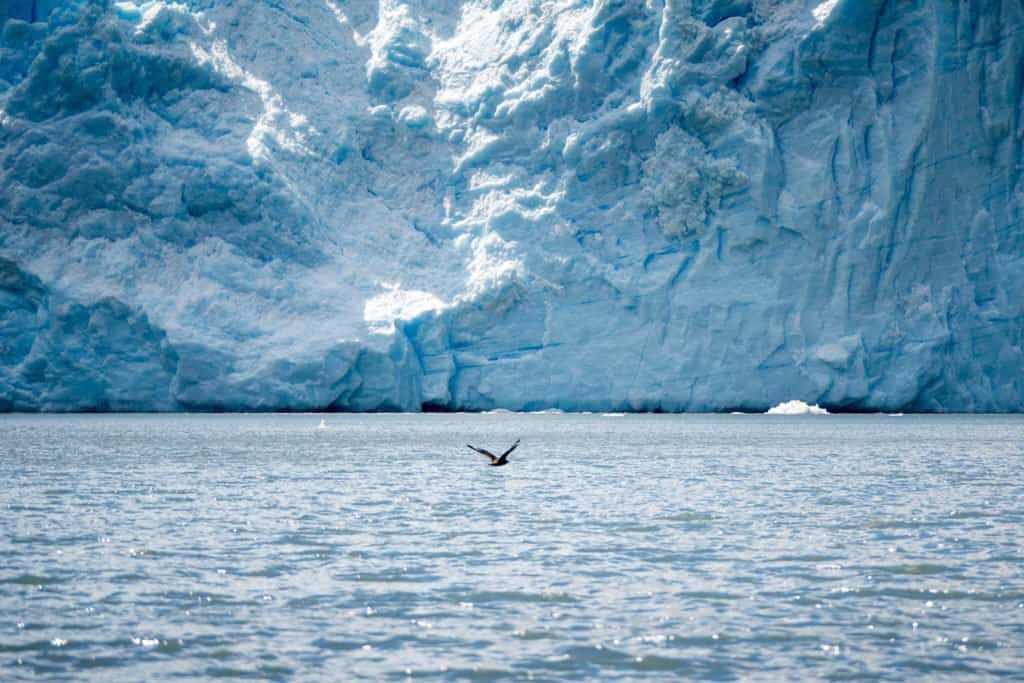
(635, 548)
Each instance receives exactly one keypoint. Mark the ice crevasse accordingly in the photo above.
(522, 204)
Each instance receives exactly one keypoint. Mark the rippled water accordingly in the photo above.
(637, 547)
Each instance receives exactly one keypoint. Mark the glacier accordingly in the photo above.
(607, 205)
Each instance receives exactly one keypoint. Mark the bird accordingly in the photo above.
(496, 461)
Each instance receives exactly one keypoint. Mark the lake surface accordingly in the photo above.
(639, 547)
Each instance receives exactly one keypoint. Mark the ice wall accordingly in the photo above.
(646, 204)
(27, 10)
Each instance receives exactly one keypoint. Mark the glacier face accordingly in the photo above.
(467, 204)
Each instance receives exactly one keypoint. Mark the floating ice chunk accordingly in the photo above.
(796, 408)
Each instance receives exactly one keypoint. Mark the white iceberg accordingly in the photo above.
(796, 408)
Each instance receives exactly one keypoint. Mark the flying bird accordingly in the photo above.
(496, 461)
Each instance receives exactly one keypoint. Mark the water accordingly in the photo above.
(619, 548)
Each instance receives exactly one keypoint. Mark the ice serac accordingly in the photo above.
(529, 204)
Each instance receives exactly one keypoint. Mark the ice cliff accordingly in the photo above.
(523, 204)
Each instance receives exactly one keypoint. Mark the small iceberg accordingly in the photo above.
(322, 425)
(613, 415)
(796, 408)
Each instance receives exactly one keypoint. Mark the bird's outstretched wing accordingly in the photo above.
(481, 451)
(514, 446)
